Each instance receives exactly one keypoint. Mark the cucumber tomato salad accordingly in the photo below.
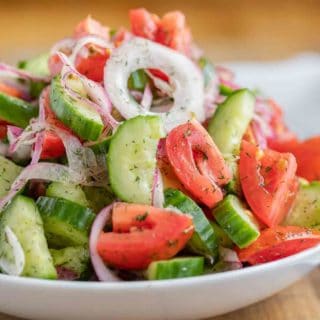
(127, 155)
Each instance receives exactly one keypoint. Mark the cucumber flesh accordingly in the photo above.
(132, 158)
(65, 223)
(77, 115)
(175, 268)
(98, 198)
(38, 65)
(306, 208)
(23, 217)
(236, 221)
(8, 173)
(227, 127)
(101, 147)
(16, 111)
(138, 80)
(66, 191)
(75, 259)
(204, 240)
(223, 238)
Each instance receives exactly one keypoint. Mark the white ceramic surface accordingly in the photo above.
(295, 84)
(193, 298)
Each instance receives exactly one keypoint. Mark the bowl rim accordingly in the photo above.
(160, 284)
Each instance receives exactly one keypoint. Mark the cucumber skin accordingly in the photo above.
(67, 110)
(124, 176)
(101, 147)
(28, 228)
(224, 239)
(233, 225)
(69, 192)
(8, 173)
(306, 208)
(16, 111)
(175, 268)
(65, 223)
(138, 80)
(204, 240)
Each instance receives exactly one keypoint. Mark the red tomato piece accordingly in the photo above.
(3, 131)
(55, 65)
(159, 74)
(52, 146)
(197, 162)
(279, 242)
(307, 154)
(143, 23)
(93, 65)
(90, 26)
(142, 234)
(268, 181)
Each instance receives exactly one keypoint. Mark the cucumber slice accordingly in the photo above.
(38, 65)
(204, 241)
(138, 80)
(237, 222)
(8, 173)
(225, 90)
(23, 217)
(77, 115)
(306, 208)
(228, 126)
(175, 268)
(75, 259)
(207, 70)
(98, 198)
(132, 158)
(65, 223)
(66, 191)
(101, 146)
(223, 238)
(16, 111)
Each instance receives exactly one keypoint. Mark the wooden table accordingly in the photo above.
(227, 30)
(299, 302)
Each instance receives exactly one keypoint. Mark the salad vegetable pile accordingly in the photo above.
(128, 155)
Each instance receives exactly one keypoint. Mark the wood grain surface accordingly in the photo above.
(227, 30)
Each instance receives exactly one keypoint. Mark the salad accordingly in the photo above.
(128, 155)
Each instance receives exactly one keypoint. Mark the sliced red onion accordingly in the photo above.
(6, 69)
(19, 143)
(185, 78)
(63, 45)
(101, 270)
(4, 149)
(42, 171)
(157, 190)
(229, 259)
(160, 84)
(136, 94)
(88, 40)
(224, 73)
(13, 268)
(66, 274)
(147, 98)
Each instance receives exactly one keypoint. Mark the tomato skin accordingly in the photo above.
(197, 162)
(3, 130)
(268, 181)
(52, 146)
(93, 65)
(89, 26)
(142, 234)
(279, 242)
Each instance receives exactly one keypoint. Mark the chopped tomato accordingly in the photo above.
(307, 154)
(52, 146)
(143, 23)
(93, 65)
(197, 162)
(268, 181)
(159, 74)
(89, 26)
(3, 130)
(142, 234)
(279, 242)
(54, 64)
(11, 91)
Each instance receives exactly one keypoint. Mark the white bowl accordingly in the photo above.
(190, 298)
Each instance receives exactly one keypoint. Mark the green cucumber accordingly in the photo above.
(66, 191)
(16, 111)
(306, 208)
(37, 66)
(101, 146)
(77, 115)
(98, 197)
(138, 80)
(223, 238)
(8, 173)
(132, 158)
(65, 223)
(227, 127)
(204, 241)
(75, 259)
(175, 268)
(207, 70)
(225, 90)
(23, 217)
(237, 222)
